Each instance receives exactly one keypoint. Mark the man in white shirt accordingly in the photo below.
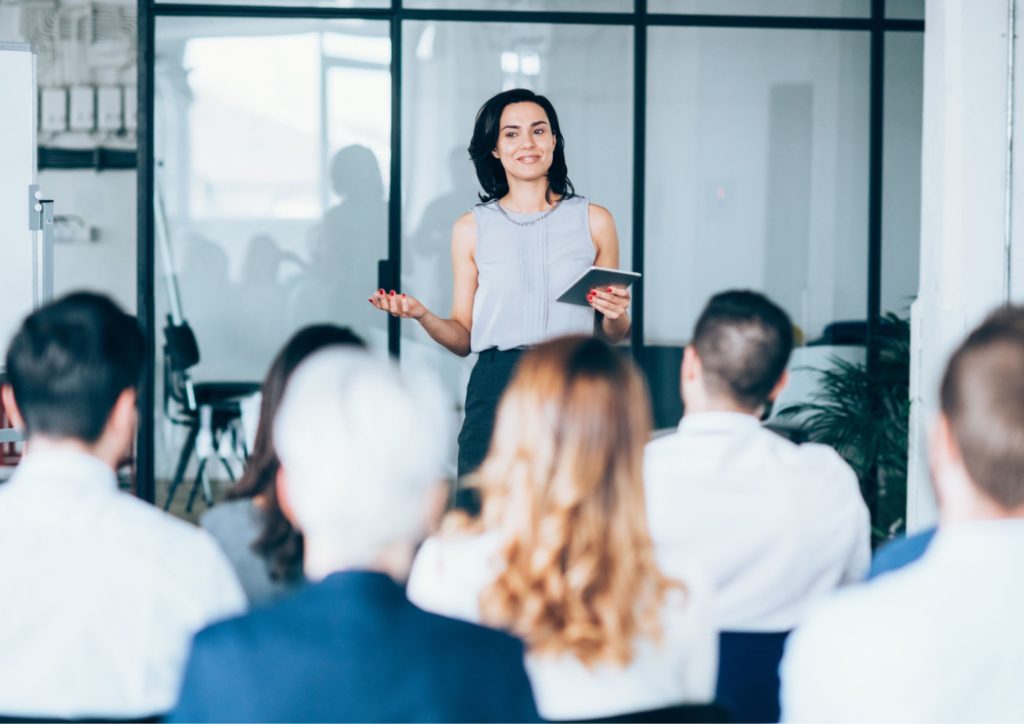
(774, 524)
(939, 640)
(102, 591)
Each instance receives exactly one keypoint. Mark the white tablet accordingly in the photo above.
(595, 277)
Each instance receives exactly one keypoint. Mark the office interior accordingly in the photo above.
(252, 167)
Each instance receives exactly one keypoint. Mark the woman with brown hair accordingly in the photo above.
(561, 555)
(262, 546)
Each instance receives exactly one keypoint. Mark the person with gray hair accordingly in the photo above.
(361, 448)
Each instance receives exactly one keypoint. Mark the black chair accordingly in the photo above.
(212, 408)
(748, 674)
(678, 713)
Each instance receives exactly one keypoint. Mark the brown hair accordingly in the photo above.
(562, 485)
(983, 400)
(279, 542)
(744, 341)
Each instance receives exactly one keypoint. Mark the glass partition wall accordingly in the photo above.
(305, 152)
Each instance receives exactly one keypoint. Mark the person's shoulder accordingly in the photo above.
(831, 631)
(662, 447)
(241, 639)
(464, 230)
(154, 527)
(600, 218)
(817, 461)
(667, 460)
(874, 610)
(825, 651)
(468, 644)
(449, 571)
(227, 514)
(464, 656)
(457, 549)
(467, 220)
(188, 559)
(232, 655)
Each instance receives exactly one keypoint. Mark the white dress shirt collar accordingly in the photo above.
(64, 467)
(717, 421)
(971, 541)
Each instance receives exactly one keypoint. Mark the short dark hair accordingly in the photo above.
(743, 340)
(983, 400)
(279, 542)
(489, 170)
(70, 361)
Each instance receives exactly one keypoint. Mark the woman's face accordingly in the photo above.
(526, 144)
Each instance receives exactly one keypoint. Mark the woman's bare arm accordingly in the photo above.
(612, 302)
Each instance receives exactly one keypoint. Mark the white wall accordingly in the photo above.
(105, 201)
(17, 171)
(962, 205)
(757, 146)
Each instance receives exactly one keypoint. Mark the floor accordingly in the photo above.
(218, 487)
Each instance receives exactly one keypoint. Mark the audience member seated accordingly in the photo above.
(901, 552)
(361, 450)
(562, 556)
(261, 544)
(939, 640)
(103, 591)
(774, 524)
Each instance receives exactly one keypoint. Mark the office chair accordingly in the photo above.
(709, 713)
(748, 674)
(210, 410)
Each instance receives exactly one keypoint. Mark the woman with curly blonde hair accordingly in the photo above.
(561, 554)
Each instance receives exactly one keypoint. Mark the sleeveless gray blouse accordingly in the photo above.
(521, 270)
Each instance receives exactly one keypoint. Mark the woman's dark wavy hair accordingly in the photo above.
(489, 170)
(280, 543)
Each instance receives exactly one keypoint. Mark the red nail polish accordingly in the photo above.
(370, 300)
(609, 289)
(392, 292)
(380, 291)
(403, 296)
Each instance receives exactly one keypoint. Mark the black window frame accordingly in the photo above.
(876, 24)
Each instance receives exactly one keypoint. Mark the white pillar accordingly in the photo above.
(963, 208)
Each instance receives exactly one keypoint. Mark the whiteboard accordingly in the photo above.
(17, 172)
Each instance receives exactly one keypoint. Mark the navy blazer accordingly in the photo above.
(353, 648)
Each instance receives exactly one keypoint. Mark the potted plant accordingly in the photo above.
(864, 414)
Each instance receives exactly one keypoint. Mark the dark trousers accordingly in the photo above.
(487, 382)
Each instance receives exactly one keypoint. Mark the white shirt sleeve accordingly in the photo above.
(858, 562)
(830, 671)
(806, 675)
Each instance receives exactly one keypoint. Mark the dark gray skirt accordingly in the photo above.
(487, 382)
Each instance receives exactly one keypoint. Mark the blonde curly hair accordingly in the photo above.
(562, 486)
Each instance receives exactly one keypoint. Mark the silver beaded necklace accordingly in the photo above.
(543, 216)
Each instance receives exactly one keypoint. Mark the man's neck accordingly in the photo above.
(981, 509)
(322, 558)
(699, 406)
